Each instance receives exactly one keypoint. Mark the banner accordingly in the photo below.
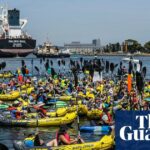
(132, 130)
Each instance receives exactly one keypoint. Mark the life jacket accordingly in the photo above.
(27, 71)
(135, 100)
(108, 115)
(18, 115)
(20, 78)
(66, 135)
(43, 111)
(29, 141)
(11, 108)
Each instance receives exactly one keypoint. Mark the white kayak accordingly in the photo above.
(127, 59)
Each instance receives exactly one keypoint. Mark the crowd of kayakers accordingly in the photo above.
(109, 94)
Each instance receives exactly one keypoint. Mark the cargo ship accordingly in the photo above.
(13, 40)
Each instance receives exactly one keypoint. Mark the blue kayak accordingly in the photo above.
(52, 101)
(95, 129)
(147, 99)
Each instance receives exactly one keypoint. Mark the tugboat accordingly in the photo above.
(48, 50)
(13, 41)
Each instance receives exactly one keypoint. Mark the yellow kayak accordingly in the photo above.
(58, 113)
(56, 121)
(63, 111)
(105, 143)
(82, 109)
(63, 98)
(94, 114)
(25, 86)
(27, 90)
(9, 97)
(6, 75)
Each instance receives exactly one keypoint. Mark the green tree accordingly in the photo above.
(133, 45)
(147, 46)
(118, 46)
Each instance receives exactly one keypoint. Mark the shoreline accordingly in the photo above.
(117, 54)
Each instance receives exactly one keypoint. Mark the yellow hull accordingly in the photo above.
(9, 75)
(56, 121)
(105, 143)
(58, 113)
(27, 90)
(63, 98)
(9, 97)
(94, 114)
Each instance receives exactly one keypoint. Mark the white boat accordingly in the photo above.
(65, 51)
(128, 59)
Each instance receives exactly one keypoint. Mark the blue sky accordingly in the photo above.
(63, 21)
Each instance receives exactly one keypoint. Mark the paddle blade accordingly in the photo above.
(139, 81)
(36, 68)
(129, 83)
(107, 66)
(144, 70)
(112, 67)
(22, 62)
(51, 63)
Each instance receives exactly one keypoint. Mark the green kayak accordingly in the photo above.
(60, 104)
(3, 106)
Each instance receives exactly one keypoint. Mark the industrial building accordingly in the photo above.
(82, 48)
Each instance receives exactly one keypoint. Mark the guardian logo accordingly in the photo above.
(132, 129)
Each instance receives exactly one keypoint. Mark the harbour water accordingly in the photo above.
(14, 63)
(7, 135)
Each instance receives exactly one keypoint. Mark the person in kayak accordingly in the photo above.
(41, 96)
(63, 138)
(32, 140)
(41, 111)
(106, 118)
(16, 111)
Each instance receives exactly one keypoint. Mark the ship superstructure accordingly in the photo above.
(13, 40)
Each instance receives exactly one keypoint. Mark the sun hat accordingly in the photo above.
(16, 102)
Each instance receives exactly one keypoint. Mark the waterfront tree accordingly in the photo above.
(133, 45)
(147, 46)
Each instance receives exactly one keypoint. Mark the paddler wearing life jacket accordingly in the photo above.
(106, 117)
(42, 112)
(16, 110)
(134, 101)
(63, 138)
(40, 96)
(32, 140)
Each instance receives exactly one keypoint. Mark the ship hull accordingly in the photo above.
(52, 55)
(16, 47)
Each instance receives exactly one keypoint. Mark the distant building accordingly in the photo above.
(77, 47)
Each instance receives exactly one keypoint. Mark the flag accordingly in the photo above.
(129, 83)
